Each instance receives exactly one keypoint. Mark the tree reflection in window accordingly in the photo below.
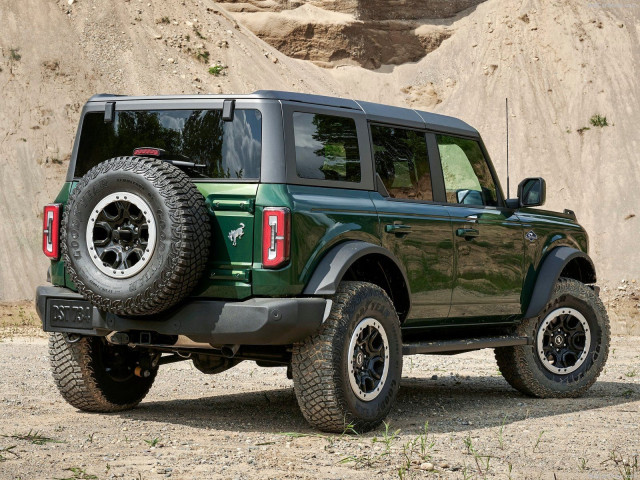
(402, 162)
(326, 147)
(228, 150)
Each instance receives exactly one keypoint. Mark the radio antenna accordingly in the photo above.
(506, 107)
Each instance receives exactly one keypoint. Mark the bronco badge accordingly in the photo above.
(531, 236)
(234, 235)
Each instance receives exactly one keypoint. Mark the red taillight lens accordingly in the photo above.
(51, 231)
(276, 236)
(148, 152)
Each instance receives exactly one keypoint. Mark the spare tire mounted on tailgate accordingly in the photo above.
(135, 235)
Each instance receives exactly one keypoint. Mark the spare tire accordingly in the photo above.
(135, 235)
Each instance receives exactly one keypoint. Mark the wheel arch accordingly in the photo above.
(560, 262)
(357, 260)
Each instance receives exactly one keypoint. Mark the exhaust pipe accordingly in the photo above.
(229, 351)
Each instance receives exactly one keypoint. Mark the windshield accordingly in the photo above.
(219, 149)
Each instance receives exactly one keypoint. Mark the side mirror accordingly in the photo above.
(532, 192)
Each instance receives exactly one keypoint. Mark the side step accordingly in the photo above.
(462, 345)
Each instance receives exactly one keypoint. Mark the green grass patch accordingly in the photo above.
(598, 120)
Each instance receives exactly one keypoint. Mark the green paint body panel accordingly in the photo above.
(453, 281)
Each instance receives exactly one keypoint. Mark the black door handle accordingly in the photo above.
(467, 232)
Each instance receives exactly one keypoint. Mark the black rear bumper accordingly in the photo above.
(257, 321)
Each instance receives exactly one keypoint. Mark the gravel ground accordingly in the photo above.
(245, 423)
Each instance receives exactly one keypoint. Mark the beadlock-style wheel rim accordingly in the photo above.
(563, 341)
(368, 359)
(121, 234)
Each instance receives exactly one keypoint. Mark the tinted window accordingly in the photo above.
(225, 149)
(326, 147)
(402, 162)
(467, 178)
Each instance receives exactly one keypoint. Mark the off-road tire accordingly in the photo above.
(320, 363)
(521, 365)
(183, 236)
(80, 375)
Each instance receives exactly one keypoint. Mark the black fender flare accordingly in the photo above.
(552, 266)
(336, 262)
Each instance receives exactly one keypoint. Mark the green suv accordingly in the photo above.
(327, 235)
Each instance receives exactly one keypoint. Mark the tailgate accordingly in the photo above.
(231, 206)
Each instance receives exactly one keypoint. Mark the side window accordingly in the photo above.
(326, 147)
(402, 162)
(467, 178)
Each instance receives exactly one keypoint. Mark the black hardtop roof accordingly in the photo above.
(375, 112)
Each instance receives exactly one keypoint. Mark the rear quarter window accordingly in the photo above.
(326, 147)
(225, 150)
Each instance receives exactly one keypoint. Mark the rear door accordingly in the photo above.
(488, 239)
(413, 227)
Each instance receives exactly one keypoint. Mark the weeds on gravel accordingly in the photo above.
(371, 458)
(14, 54)
(582, 463)
(414, 451)
(217, 70)
(598, 120)
(77, 474)
(535, 447)
(198, 34)
(349, 429)
(628, 468)
(483, 462)
(33, 437)
(153, 442)
(631, 373)
(500, 437)
(202, 56)
(420, 446)
(5, 450)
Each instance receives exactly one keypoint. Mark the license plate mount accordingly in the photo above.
(72, 314)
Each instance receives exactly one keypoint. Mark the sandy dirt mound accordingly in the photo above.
(53, 57)
(560, 64)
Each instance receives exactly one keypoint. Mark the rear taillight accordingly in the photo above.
(51, 231)
(276, 236)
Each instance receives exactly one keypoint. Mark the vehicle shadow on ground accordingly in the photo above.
(450, 404)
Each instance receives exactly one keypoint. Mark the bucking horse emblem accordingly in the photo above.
(234, 235)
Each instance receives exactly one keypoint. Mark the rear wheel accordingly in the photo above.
(348, 374)
(94, 376)
(570, 345)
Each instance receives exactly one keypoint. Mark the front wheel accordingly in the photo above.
(94, 376)
(347, 375)
(570, 345)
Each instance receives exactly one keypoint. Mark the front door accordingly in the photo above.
(489, 242)
(412, 226)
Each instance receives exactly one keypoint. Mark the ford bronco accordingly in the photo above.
(327, 235)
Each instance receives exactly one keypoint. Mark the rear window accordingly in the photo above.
(326, 147)
(222, 150)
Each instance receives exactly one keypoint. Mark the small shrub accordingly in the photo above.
(216, 70)
(202, 56)
(198, 34)
(165, 20)
(14, 54)
(598, 121)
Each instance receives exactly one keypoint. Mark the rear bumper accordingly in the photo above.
(258, 321)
